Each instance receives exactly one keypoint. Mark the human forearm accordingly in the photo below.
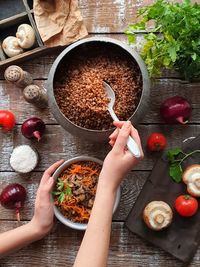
(94, 247)
(119, 161)
(19, 237)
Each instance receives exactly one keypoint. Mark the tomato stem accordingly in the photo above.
(186, 197)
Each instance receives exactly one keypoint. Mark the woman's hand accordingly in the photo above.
(119, 160)
(42, 220)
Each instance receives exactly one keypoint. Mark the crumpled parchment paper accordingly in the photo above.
(59, 22)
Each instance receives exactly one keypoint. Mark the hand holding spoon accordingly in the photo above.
(131, 144)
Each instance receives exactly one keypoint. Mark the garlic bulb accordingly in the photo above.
(11, 47)
(157, 215)
(26, 36)
(191, 177)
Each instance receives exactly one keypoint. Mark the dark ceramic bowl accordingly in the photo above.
(92, 43)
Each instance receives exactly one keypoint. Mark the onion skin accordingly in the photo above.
(13, 197)
(175, 110)
(33, 128)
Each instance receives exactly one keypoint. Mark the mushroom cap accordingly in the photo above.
(191, 177)
(11, 47)
(157, 215)
(26, 36)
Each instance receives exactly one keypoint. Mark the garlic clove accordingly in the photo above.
(11, 47)
(26, 36)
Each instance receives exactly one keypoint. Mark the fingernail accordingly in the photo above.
(110, 137)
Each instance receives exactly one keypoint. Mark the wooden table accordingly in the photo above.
(59, 248)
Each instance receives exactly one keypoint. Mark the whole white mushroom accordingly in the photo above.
(191, 177)
(11, 46)
(26, 36)
(157, 215)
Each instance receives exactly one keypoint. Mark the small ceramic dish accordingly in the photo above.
(57, 212)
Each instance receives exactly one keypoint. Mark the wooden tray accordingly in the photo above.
(12, 14)
(181, 239)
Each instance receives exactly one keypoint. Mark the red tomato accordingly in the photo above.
(7, 119)
(156, 142)
(186, 205)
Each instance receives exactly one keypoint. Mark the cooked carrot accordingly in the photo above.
(71, 206)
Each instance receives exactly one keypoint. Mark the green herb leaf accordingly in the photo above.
(194, 56)
(175, 171)
(171, 153)
(61, 198)
(178, 43)
(60, 184)
(68, 191)
(131, 37)
(172, 53)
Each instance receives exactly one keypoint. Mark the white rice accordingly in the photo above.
(23, 159)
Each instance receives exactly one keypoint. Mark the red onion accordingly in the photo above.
(13, 197)
(175, 110)
(33, 128)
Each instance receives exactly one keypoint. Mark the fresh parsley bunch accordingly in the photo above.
(174, 41)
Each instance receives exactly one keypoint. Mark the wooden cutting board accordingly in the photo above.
(182, 237)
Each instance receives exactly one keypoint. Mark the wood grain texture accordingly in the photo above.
(57, 144)
(130, 189)
(97, 14)
(12, 98)
(59, 249)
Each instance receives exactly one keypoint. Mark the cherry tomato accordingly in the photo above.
(156, 142)
(7, 119)
(186, 205)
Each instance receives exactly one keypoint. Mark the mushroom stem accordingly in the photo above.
(159, 218)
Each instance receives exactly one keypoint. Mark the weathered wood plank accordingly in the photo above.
(11, 98)
(130, 189)
(57, 144)
(60, 247)
(98, 19)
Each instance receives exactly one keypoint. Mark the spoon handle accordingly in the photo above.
(131, 144)
(133, 147)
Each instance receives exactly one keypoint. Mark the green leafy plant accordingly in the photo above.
(176, 157)
(174, 41)
(62, 190)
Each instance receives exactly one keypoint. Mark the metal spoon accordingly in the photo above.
(131, 144)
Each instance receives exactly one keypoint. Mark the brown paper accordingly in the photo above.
(59, 21)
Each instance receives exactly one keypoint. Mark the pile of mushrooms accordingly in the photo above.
(25, 39)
